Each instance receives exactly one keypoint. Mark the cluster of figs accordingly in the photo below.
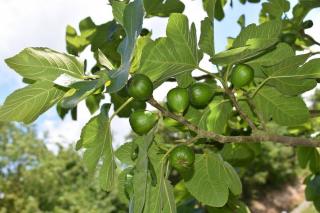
(198, 95)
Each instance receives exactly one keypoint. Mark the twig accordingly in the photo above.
(286, 140)
(234, 101)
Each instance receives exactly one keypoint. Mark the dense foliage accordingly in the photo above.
(250, 97)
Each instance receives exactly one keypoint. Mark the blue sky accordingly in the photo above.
(36, 23)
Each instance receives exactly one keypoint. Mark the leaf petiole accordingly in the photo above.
(259, 87)
(121, 108)
(214, 75)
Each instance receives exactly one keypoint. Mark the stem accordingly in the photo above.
(121, 108)
(226, 76)
(234, 101)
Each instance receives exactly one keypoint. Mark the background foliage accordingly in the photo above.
(34, 179)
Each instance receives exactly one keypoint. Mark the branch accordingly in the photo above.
(233, 99)
(286, 140)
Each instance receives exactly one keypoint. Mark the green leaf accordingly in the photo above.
(253, 48)
(281, 52)
(242, 21)
(312, 190)
(162, 8)
(121, 185)
(275, 8)
(74, 43)
(206, 42)
(316, 204)
(140, 178)
(291, 79)
(96, 139)
(93, 102)
(141, 43)
(245, 107)
(309, 156)
(251, 42)
(220, 112)
(233, 179)
(118, 8)
(268, 30)
(212, 179)
(209, 6)
(301, 10)
(28, 103)
(310, 3)
(132, 24)
(237, 154)
(103, 60)
(123, 153)
(107, 38)
(185, 79)
(81, 90)
(77, 43)
(174, 55)
(218, 12)
(160, 198)
(287, 111)
(45, 64)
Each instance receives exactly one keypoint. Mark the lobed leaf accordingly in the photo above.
(284, 110)
(96, 139)
(77, 43)
(176, 54)
(44, 64)
(308, 156)
(160, 197)
(123, 153)
(162, 8)
(275, 8)
(132, 24)
(206, 42)
(216, 119)
(291, 79)
(212, 179)
(118, 8)
(83, 89)
(140, 178)
(28, 103)
(250, 43)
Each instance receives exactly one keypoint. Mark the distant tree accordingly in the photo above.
(34, 179)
